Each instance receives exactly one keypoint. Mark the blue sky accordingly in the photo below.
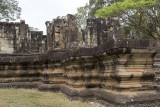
(37, 12)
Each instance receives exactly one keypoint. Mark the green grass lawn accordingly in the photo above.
(34, 98)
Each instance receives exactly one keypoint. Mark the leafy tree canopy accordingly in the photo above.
(121, 7)
(82, 15)
(9, 10)
(141, 15)
(89, 10)
(95, 5)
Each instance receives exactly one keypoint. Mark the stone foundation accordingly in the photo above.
(115, 74)
(108, 69)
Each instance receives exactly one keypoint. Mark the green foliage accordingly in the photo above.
(120, 7)
(9, 10)
(127, 30)
(80, 36)
(33, 28)
(140, 35)
(141, 15)
(89, 10)
(82, 15)
(94, 5)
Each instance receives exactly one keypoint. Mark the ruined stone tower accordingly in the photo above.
(98, 31)
(111, 69)
(62, 32)
(14, 37)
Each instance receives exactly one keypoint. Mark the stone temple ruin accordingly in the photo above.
(62, 33)
(107, 67)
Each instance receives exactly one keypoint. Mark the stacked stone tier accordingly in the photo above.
(122, 64)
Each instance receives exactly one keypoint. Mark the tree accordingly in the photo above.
(9, 10)
(33, 28)
(89, 10)
(94, 5)
(82, 15)
(141, 15)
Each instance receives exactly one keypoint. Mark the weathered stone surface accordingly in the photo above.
(62, 32)
(99, 31)
(157, 71)
(44, 43)
(113, 65)
(107, 68)
(74, 71)
(54, 73)
(36, 41)
(17, 38)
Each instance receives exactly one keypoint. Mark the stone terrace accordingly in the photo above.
(106, 67)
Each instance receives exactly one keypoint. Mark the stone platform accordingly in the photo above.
(118, 73)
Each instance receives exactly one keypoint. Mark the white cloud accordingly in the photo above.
(37, 12)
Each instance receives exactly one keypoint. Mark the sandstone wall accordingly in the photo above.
(105, 69)
(44, 43)
(17, 38)
(124, 66)
(127, 64)
(62, 32)
(36, 41)
(98, 31)
(8, 34)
